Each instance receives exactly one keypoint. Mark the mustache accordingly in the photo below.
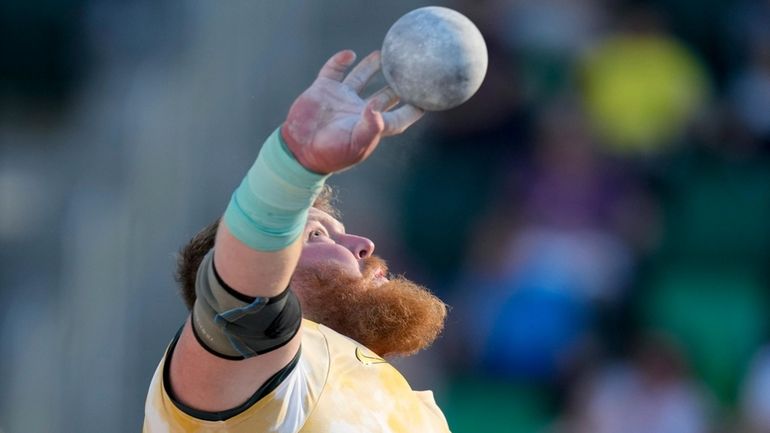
(372, 265)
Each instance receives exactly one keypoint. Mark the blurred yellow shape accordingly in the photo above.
(641, 90)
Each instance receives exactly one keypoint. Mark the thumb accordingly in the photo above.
(367, 131)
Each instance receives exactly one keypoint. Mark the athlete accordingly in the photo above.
(290, 315)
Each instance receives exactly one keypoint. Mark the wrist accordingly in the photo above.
(267, 212)
(294, 148)
(290, 142)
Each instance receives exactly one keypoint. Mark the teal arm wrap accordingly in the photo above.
(269, 209)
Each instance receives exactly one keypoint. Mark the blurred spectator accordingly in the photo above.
(750, 89)
(707, 282)
(641, 86)
(652, 394)
(755, 397)
(553, 258)
(570, 201)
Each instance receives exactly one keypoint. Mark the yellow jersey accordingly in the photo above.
(337, 385)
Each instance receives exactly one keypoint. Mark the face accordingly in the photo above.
(342, 285)
(327, 244)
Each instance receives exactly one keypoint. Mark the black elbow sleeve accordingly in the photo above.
(233, 326)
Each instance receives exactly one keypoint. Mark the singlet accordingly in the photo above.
(337, 385)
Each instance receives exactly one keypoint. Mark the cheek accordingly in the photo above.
(315, 256)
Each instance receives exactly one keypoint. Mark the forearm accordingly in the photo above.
(256, 259)
(251, 272)
(259, 240)
(258, 243)
(242, 285)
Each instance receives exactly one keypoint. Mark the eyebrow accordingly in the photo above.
(327, 221)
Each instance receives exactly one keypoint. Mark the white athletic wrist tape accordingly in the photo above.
(269, 209)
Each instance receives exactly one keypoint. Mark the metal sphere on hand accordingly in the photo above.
(434, 58)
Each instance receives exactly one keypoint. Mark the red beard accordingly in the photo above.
(398, 317)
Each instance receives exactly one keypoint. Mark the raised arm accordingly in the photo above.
(329, 128)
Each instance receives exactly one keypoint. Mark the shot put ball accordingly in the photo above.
(434, 58)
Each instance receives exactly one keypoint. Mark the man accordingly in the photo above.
(246, 360)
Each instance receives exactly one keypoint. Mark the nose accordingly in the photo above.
(360, 246)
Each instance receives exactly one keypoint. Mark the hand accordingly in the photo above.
(330, 127)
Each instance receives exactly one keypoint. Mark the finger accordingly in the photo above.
(367, 131)
(363, 72)
(398, 120)
(384, 99)
(335, 67)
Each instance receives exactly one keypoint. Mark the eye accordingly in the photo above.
(315, 234)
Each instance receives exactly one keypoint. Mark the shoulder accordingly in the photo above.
(282, 410)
